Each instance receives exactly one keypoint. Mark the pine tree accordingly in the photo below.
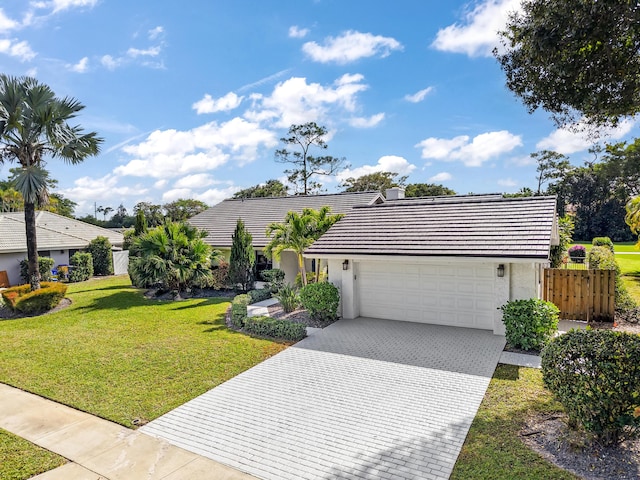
(243, 257)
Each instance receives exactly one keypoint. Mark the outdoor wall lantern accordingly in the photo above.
(345, 265)
(501, 270)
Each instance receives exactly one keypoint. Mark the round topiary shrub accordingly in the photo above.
(530, 324)
(603, 242)
(321, 300)
(595, 374)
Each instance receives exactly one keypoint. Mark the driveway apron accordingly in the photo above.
(362, 399)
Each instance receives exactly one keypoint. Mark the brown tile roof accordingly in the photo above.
(52, 232)
(220, 220)
(477, 226)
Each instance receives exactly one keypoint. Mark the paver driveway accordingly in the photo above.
(363, 398)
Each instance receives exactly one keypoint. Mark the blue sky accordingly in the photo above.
(192, 97)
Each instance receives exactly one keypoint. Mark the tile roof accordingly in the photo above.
(220, 220)
(476, 226)
(52, 232)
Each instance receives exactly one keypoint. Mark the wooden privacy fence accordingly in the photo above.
(581, 294)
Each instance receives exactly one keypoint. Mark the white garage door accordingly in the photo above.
(459, 295)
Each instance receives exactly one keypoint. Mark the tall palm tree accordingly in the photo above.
(321, 221)
(34, 125)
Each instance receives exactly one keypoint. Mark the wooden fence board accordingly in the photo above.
(581, 294)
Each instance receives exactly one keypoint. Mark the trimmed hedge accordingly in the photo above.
(595, 374)
(259, 295)
(45, 264)
(82, 264)
(275, 278)
(321, 300)
(100, 250)
(239, 310)
(274, 328)
(531, 323)
(603, 242)
(22, 299)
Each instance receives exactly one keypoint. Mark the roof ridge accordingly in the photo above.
(302, 196)
(453, 200)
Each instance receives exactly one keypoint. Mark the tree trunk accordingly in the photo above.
(303, 271)
(32, 245)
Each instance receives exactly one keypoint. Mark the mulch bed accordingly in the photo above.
(550, 436)
(299, 315)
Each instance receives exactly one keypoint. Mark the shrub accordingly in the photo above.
(602, 258)
(22, 299)
(82, 264)
(321, 300)
(274, 328)
(311, 278)
(45, 264)
(63, 273)
(529, 324)
(100, 250)
(259, 295)
(220, 275)
(559, 252)
(595, 374)
(239, 310)
(288, 297)
(577, 251)
(275, 279)
(603, 242)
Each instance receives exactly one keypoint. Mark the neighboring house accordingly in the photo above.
(220, 221)
(441, 260)
(58, 237)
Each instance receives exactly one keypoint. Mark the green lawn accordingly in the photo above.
(20, 459)
(493, 450)
(618, 247)
(122, 357)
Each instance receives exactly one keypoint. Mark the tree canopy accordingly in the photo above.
(427, 190)
(34, 126)
(377, 181)
(272, 188)
(575, 58)
(183, 209)
(305, 166)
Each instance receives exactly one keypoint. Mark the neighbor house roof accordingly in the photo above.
(53, 232)
(470, 226)
(220, 220)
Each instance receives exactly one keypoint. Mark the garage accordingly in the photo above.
(442, 294)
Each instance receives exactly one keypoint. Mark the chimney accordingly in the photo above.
(395, 193)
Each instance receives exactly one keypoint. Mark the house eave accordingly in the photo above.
(422, 258)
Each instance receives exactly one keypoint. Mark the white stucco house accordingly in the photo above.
(220, 221)
(442, 260)
(58, 237)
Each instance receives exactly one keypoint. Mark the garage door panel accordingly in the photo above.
(442, 294)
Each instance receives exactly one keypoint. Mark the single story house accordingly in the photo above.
(442, 260)
(58, 237)
(220, 221)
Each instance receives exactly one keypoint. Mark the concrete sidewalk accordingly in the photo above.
(100, 449)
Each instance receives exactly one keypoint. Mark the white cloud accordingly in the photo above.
(297, 32)
(351, 46)
(576, 138)
(364, 122)
(223, 104)
(295, 101)
(198, 180)
(418, 96)
(104, 188)
(81, 67)
(387, 163)
(522, 161)
(441, 177)
(59, 5)
(149, 52)
(507, 182)
(156, 32)
(176, 193)
(110, 62)
(171, 153)
(477, 35)
(161, 183)
(216, 195)
(18, 49)
(471, 152)
(6, 23)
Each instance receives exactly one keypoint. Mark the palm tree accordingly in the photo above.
(321, 221)
(34, 124)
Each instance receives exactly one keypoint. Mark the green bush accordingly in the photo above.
(602, 258)
(45, 264)
(82, 267)
(603, 242)
(595, 374)
(274, 328)
(275, 278)
(239, 310)
(311, 278)
(22, 299)
(259, 295)
(288, 297)
(321, 300)
(100, 250)
(529, 324)
(220, 276)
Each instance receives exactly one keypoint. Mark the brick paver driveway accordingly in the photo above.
(363, 398)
